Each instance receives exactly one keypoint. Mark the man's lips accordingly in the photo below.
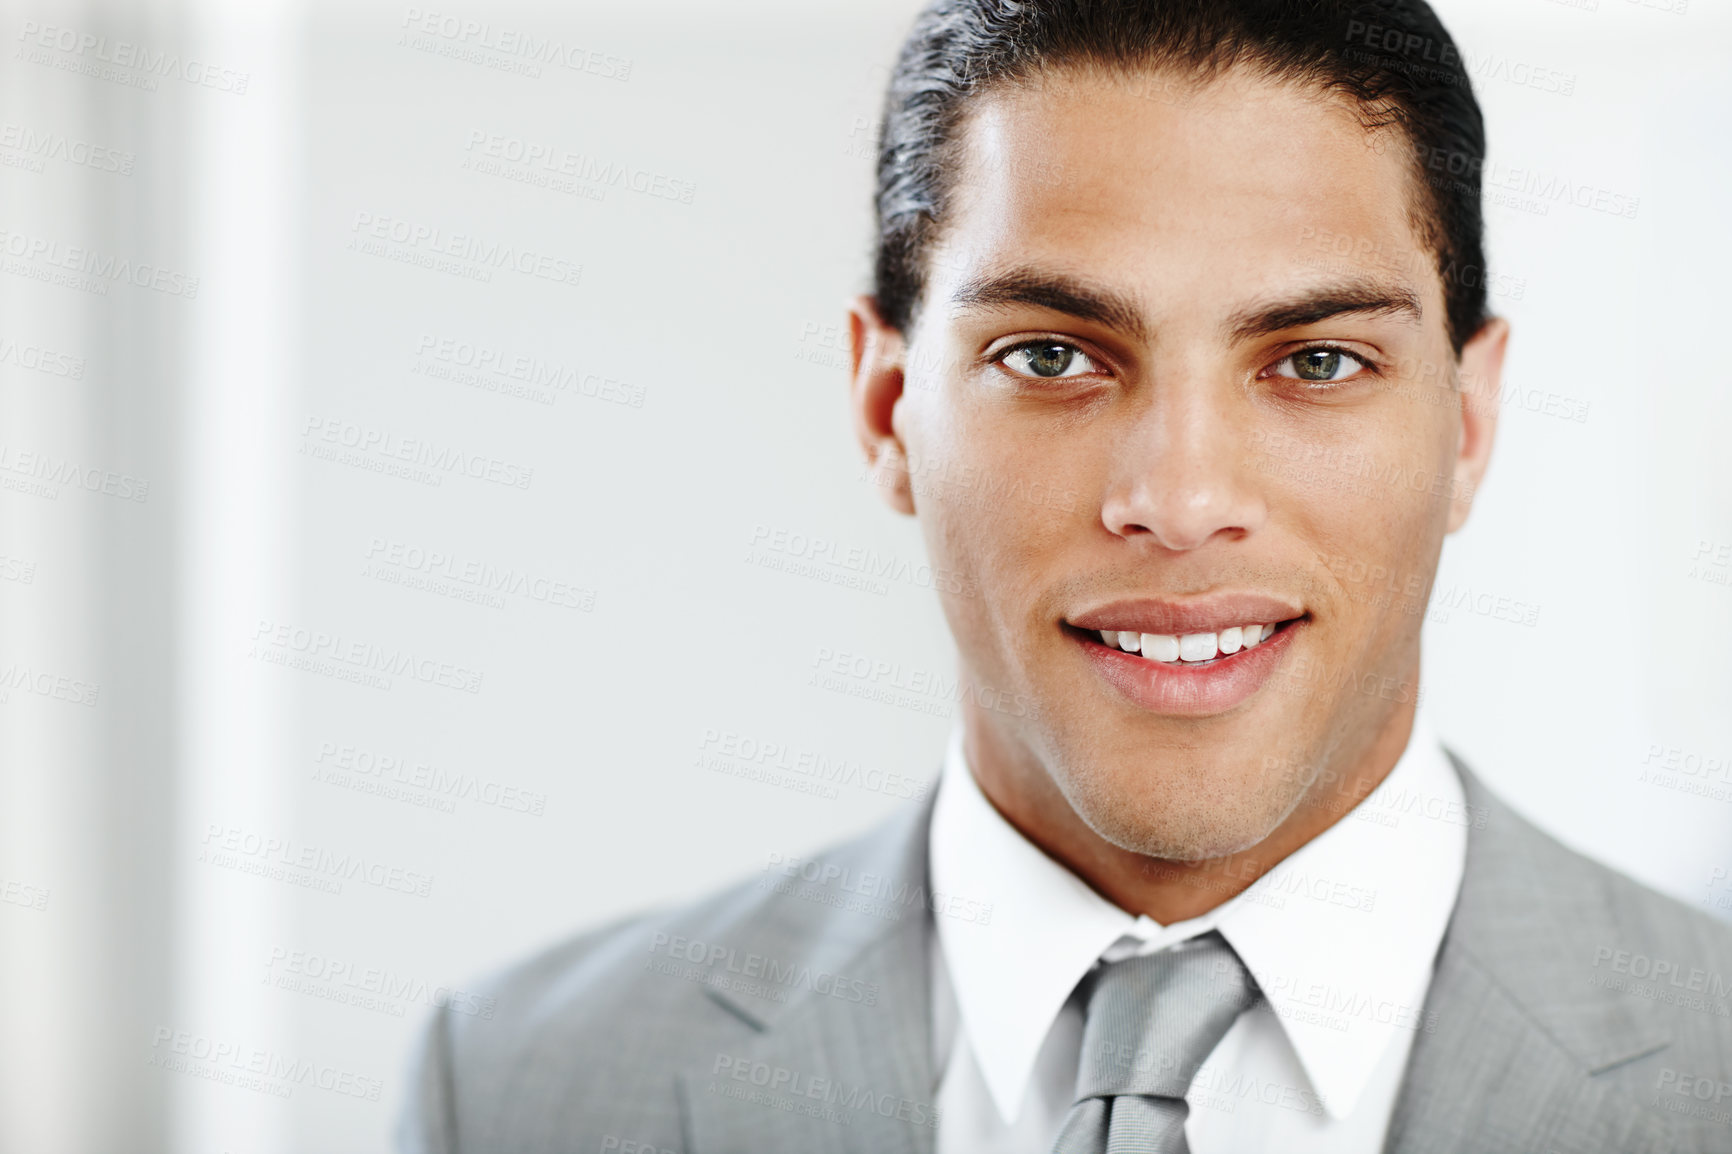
(1209, 614)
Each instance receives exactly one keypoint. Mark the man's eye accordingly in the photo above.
(1049, 360)
(1318, 365)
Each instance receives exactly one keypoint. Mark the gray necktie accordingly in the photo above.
(1149, 1023)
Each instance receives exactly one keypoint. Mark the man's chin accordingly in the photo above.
(1189, 835)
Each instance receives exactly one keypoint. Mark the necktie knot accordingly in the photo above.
(1152, 1020)
(1149, 1023)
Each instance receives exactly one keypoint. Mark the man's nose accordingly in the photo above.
(1184, 473)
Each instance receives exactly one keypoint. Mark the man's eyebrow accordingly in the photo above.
(1350, 298)
(1055, 291)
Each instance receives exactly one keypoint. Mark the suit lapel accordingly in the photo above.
(1515, 1026)
(845, 1067)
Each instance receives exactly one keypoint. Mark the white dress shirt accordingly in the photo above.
(1341, 937)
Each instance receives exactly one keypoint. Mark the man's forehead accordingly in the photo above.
(1152, 117)
(1260, 191)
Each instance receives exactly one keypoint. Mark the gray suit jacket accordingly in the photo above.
(1571, 1010)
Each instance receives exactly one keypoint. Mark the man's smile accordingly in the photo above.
(1193, 658)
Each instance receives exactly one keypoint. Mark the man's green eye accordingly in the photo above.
(1048, 359)
(1318, 365)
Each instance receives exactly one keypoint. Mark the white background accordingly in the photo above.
(721, 315)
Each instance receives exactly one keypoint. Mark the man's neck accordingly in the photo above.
(1025, 794)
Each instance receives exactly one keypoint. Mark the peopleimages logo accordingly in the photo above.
(470, 39)
(258, 1068)
(784, 1088)
(765, 975)
(277, 642)
(327, 438)
(46, 254)
(39, 146)
(542, 164)
(50, 473)
(477, 575)
(492, 369)
(923, 690)
(44, 683)
(127, 62)
(447, 786)
(425, 245)
(891, 896)
(866, 561)
(39, 359)
(313, 866)
(366, 987)
(1673, 973)
(725, 750)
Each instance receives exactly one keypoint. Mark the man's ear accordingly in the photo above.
(875, 385)
(1481, 378)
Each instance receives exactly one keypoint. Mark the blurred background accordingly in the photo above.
(427, 504)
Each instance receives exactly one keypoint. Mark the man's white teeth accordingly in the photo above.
(1160, 647)
(1197, 647)
(1192, 647)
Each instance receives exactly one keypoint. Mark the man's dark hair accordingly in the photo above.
(1392, 57)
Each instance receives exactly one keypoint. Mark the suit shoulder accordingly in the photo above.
(655, 972)
(1612, 967)
(1662, 924)
(585, 982)
(585, 1038)
(590, 1037)
(1661, 918)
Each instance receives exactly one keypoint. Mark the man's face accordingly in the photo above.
(1182, 370)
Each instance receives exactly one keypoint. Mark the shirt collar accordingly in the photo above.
(1340, 935)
